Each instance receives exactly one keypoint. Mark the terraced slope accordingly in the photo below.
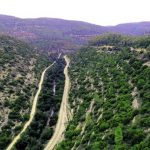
(109, 98)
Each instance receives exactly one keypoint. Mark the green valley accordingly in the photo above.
(71, 88)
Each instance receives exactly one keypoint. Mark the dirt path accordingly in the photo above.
(63, 113)
(33, 110)
(147, 63)
(135, 102)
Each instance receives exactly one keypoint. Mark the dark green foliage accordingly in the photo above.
(112, 39)
(120, 41)
(101, 98)
(104, 79)
(118, 137)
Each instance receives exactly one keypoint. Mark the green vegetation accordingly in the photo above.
(109, 98)
(41, 128)
(21, 67)
(118, 137)
(118, 41)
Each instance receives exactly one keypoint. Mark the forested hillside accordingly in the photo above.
(51, 34)
(20, 69)
(110, 96)
(42, 127)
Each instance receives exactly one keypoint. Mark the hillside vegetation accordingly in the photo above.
(109, 97)
(121, 41)
(20, 69)
(109, 94)
(43, 124)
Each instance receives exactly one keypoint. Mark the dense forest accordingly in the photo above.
(110, 95)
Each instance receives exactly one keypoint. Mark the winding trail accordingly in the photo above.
(63, 117)
(33, 110)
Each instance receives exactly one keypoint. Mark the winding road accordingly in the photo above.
(33, 110)
(63, 112)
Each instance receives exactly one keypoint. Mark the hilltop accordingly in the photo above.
(50, 34)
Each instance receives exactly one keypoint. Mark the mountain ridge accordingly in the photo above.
(53, 34)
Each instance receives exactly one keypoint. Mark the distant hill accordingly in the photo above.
(58, 34)
(49, 34)
(139, 28)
